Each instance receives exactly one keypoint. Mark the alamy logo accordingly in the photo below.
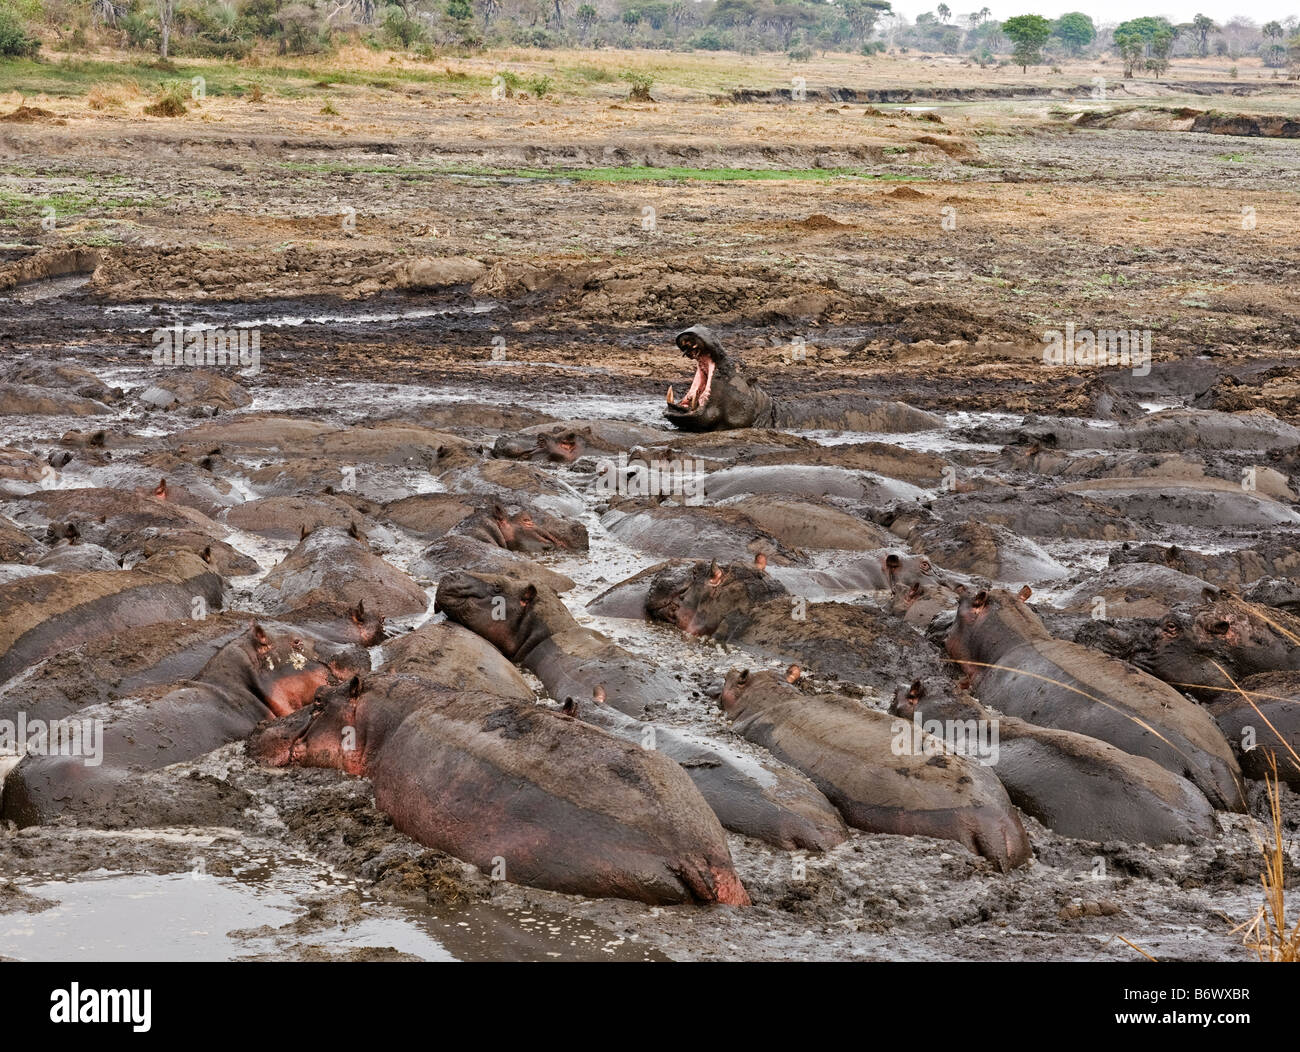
(652, 478)
(1103, 347)
(84, 738)
(176, 345)
(76, 1005)
(977, 739)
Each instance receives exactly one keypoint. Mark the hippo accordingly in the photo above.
(972, 547)
(50, 613)
(1076, 785)
(613, 689)
(1262, 721)
(1134, 590)
(1171, 430)
(852, 753)
(920, 468)
(741, 604)
(285, 518)
(553, 446)
(431, 515)
(1016, 667)
(803, 523)
(722, 396)
(1208, 648)
(1198, 502)
(73, 556)
(450, 654)
(542, 799)
(515, 482)
(797, 480)
(334, 566)
(1038, 513)
(117, 519)
(669, 530)
(1230, 570)
(261, 673)
(133, 660)
(453, 553)
(523, 529)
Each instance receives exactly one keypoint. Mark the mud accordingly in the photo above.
(472, 302)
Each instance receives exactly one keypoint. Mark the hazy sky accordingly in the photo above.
(1118, 10)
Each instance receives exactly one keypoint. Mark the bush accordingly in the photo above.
(171, 100)
(540, 86)
(873, 47)
(401, 27)
(641, 85)
(708, 40)
(14, 41)
(802, 53)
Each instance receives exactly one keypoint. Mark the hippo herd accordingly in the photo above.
(934, 628)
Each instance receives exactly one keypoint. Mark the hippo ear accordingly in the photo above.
(260, 638)
(914, 592)
(981, 597)
(792, 675)
(527, 596)
(960, 589)
(160, 491)
(744, 676)
(499, 513)
(715, 574)
(1024, 594)
(570, 707)
(303, 532)
(354, 687)
(598, 694)
(1209, 594)
(760, 561)
(354, 531)
(916, 691)
(359, 614)
(206, 554)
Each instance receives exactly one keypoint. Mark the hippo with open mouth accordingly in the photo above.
(721, 396)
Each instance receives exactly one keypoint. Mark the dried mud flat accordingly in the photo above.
(238, 219)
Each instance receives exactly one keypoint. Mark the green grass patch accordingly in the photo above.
(16, 207)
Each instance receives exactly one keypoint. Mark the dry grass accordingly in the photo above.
(1268, 932)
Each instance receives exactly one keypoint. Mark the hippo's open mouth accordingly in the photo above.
(702, 383)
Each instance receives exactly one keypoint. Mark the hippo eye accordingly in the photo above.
(1170, 628)
(925, 565)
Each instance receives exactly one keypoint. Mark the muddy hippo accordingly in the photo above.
(1206, 649)
(454, 553)
(1262, 721)
(285, 518)
(797, 480)
(1079, 786)
(1016, 667)
(263, 672)
(722, 396)
(740, 604)
(531, 795)
(335, 567)
(134, 660)
(49, 613)
(881, 782)
(1200, 502)
(1230, 570)
(452, 655)
(1171, 430)
(973, 547)
(523, 529)
(1134, 590)
(1038, 513)
(612, 688)
(674, 530)
(553, 446)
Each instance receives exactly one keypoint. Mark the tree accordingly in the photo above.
(1028, 34)
(1203, 26)
(862, 16)
(1076, 31)
(166, 16)
(586, 17)
(1137, 38)
(944, 12)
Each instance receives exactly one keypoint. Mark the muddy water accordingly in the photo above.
(873, 898)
